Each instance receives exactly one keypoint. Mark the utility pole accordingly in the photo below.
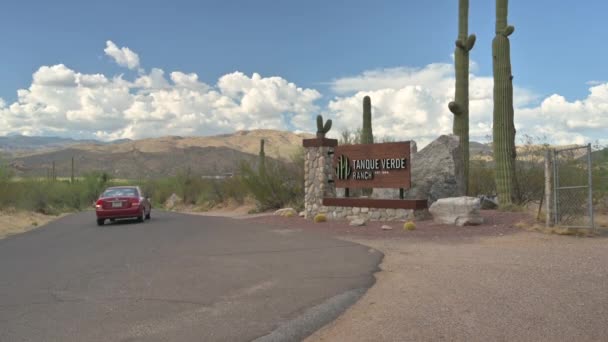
(53, 176)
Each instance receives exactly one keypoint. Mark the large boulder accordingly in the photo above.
(461, 211)
(437, 172)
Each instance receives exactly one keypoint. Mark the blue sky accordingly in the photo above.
(557, 47)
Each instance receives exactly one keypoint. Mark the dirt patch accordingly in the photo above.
(483, 283)
(14, 221)
(230, 209)
(496, 223)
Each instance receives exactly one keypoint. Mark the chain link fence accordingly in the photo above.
(572, 187)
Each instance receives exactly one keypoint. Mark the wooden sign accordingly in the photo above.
(385, 165)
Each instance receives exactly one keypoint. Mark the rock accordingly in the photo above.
(172, 201)
(436, 172)
(286, 212)
(302, 214)
(387, 227)
(358, 222)
(488, 202)
(460, 211)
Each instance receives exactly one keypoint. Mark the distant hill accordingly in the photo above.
(134, 164)
(21, 144)
(159, 157)
(279, 144)
(479, 149)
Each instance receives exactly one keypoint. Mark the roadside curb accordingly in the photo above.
(314, 318)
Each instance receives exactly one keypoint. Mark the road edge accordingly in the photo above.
(317, 317)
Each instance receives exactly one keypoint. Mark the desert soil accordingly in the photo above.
(493, 282)
(15, 221)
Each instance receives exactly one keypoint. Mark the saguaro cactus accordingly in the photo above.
(262, 159)
(321, 128)
(367, 137)
(503, 127)
(460, 106)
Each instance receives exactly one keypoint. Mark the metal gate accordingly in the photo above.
(572, 182)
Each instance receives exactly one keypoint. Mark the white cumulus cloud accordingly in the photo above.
(122, 56)
(407, 103)
(62, 101)
(411, 103)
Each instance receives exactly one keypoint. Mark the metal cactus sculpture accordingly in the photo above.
(367, 137)
(262, 159)
(322, 129)
(503, 126)
(460, 106)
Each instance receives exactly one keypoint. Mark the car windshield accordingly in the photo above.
(120, 192)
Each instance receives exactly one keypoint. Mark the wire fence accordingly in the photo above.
(573, 187)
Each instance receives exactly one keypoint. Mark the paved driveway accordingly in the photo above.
(176, 277)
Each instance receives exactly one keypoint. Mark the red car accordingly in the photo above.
(120, 202)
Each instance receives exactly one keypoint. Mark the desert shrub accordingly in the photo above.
(194, 190)
(320, 218)
(281, 184)
(52, 197)
(93, 184)
(233, 188)
(409, 225)
(481, 178)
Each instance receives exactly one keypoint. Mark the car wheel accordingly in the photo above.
(100, 222)
(140, 218)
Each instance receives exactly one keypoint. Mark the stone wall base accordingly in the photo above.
(371, 214)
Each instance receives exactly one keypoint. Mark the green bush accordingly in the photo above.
(52, 197)
(281, 183)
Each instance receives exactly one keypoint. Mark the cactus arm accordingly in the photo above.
(327, 126)
(319, 124)
(470, 42)
(321, 128)
(454, 108)
(508, 31)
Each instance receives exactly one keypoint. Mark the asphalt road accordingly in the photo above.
(175, 278)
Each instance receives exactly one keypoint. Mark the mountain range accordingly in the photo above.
(154, 157)
(160, 157)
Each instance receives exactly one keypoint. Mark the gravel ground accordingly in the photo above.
(492, 282)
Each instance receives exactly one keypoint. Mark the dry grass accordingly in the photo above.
(580, 232)
(601, 220)
(15, 221)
